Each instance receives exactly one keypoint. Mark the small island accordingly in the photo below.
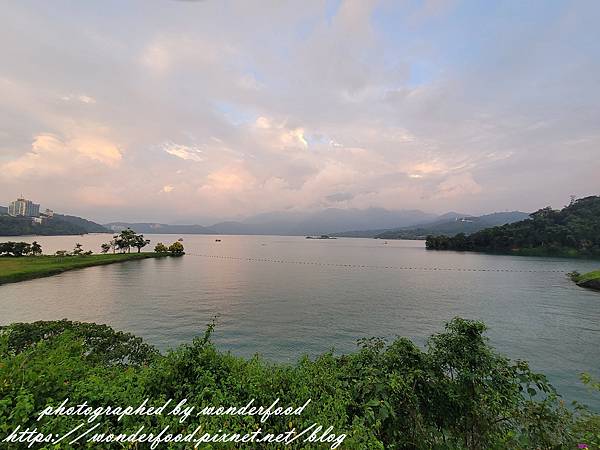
(590, 280)
(323, 236)
(20, 261)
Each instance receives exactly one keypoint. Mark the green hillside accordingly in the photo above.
(466, 225)
(571, 231)
(58, 225)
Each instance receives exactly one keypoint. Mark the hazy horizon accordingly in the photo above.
(202, 111)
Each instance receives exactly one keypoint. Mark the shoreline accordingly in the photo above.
(16, 269)
(533, 253)
(590, 280)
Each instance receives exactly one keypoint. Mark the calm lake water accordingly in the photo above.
(287, 296)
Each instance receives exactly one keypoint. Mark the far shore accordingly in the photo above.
(15, 269)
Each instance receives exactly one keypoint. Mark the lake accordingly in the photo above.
(287, 296)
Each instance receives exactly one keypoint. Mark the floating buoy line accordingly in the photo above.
(365, 266)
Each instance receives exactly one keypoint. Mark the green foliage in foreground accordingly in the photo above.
(570, 232)
(13, 269)
(457, 394)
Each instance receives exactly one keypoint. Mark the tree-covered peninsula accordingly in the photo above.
(572, 231)
(20, 261)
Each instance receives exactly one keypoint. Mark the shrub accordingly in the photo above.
(160, 248)
(458, 393)
(176, 248)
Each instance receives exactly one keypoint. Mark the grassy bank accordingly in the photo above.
(13, 269)
(544, 253)
(457, 394)
(589, 280)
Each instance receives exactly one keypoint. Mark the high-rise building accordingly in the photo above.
(23, 207)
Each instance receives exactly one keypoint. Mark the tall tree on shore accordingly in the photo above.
(125, 240)
(139, 242)
(36, 249)
(21, 248)
(15, 248)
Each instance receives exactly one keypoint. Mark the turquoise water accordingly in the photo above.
(287, 296)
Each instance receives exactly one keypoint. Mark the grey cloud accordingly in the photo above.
(340, 197)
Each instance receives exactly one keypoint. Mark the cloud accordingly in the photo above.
(53, 155)
(280, 135)
(97, 149)
(80, 98)
(235, 179)
(355, 103)
(340, 197)
(183, 152)
(101, 196)
(458, 186)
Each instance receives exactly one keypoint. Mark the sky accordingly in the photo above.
(198, 111)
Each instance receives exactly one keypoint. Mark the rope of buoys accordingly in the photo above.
(364, 266)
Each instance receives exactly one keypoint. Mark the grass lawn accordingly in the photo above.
(590, 280)
(13, 269)
(589, 276)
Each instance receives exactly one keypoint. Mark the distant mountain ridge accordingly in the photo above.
(87, 225)
(459, 224)
(327, 221)
(370, 222)
(158, 228)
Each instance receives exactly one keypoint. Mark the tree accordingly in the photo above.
(78, 250)
(176, 248)
(36, 249)
(160, 248)
(105, 247)
(6, 248)
(125, 240)
(21, 248)
(139, 242)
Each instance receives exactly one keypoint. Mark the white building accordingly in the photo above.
(23, 207)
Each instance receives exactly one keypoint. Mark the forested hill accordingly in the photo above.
(571, 231)
(87, 225)
(466, 225)
(57, 225)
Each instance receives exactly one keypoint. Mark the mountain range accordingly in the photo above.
(454, 226)
(371, 222)
(326, 221)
